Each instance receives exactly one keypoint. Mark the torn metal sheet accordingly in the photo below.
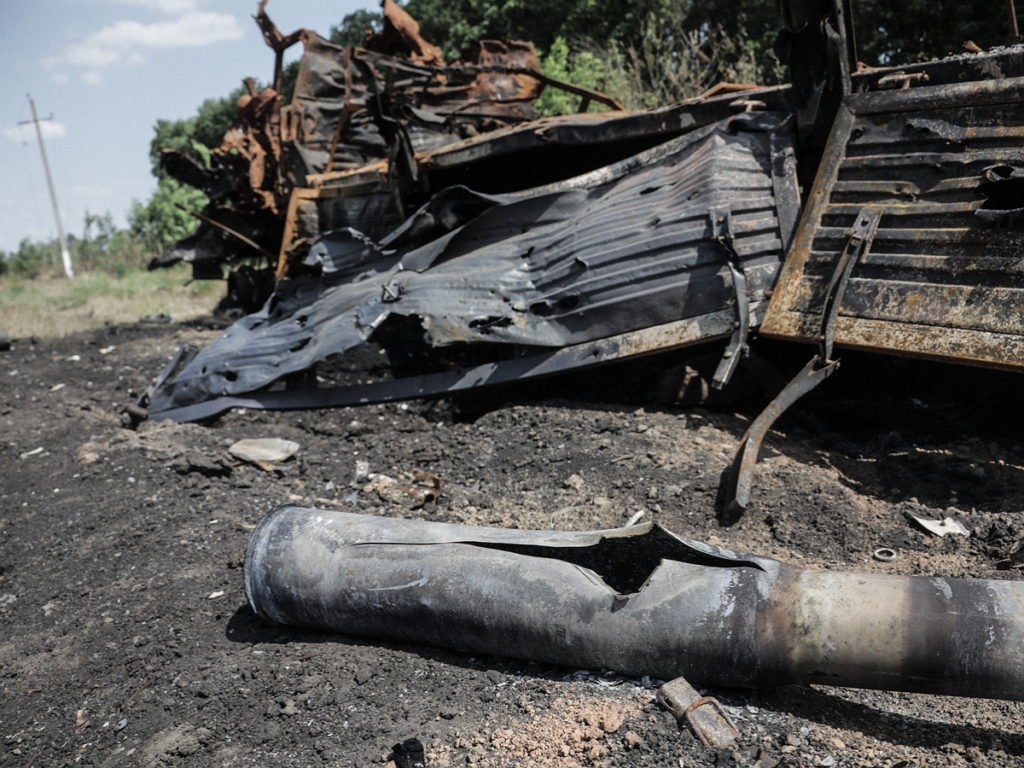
(637, 600)
(940, 162)
(621, 249)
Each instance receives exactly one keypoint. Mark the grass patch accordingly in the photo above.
(52, 306)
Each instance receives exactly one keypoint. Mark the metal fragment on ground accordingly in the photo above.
(704, 714)
(942, 527)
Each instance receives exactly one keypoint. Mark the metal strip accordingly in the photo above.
(739, 477)
(577, 357)
(858, 243)
(722, 232)
(1009, 90)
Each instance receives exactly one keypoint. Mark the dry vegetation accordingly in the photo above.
(51, 306)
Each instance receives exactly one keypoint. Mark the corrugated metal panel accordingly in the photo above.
(622, 248)
(939, 280)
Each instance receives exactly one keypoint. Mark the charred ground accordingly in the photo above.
(128, 641)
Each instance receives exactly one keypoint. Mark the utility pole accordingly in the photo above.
(65, 255)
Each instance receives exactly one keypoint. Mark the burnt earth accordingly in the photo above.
(126, 639)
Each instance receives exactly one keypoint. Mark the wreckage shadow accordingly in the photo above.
(812, 704)
(896, 429)
(899, 429)
(831, 709)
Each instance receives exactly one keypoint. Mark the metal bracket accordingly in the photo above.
(858, 243)
(722, 232)
(740, 474)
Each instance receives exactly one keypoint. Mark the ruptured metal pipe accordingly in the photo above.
(638, 600)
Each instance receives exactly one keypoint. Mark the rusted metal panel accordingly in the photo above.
(940, 163)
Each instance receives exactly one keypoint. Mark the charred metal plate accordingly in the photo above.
(623, 248)
(944, 276)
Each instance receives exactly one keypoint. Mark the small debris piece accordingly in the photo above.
(1014, 558)
(215, 595)
(107, 350)
(884, 554)
(705, 714)
(942, 527)
(417, 484)
(81, 720)
(409, 754)
(30, 454)
(264, 452)
(192, 461)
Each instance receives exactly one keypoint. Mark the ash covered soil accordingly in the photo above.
(127, 640)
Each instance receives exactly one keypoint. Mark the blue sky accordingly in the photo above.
(107, 70)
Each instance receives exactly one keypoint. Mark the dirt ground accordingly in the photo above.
(127, 641)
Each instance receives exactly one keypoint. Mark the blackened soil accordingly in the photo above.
(126, 639)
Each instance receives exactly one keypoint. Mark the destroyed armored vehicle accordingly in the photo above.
(416, 207)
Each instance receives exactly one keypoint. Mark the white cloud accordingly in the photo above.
(126, 43)
(24, 133)
(170, 7)
(190, 30)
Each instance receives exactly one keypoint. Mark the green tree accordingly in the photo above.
(644, 53)
(353, 28)
(601, 70)
(166, 216)
(916, 30)
(31, 258)
(195, 135)
(454, 24)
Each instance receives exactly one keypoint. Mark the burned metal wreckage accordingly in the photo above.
(416, 206)
(518, 242)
